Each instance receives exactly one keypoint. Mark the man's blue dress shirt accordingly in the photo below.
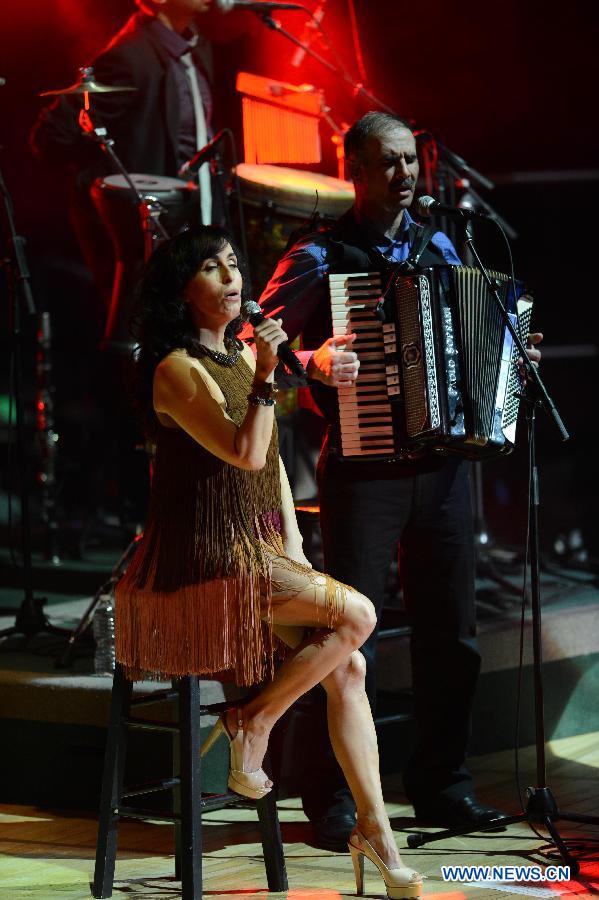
(298, 286)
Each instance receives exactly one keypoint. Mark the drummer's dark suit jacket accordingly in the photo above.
(144, 125)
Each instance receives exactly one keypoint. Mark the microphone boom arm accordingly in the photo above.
(357, 88)
(455, 163)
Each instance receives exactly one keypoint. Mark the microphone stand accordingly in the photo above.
(456, 166)
(30, 618)
(149, 212)
(541, 808)
(68, 654)
(455, 169)
(220, 172)
(358, 89)
(485, 565)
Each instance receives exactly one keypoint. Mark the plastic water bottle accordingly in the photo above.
(103, 628)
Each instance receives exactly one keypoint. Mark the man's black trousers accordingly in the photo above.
(366, 510)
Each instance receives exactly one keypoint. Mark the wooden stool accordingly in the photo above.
(188, 802)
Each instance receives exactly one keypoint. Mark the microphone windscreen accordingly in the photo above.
(250, 308)
(425, 206)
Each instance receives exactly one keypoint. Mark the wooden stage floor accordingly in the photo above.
(49, 854)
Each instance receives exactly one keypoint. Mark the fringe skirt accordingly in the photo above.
(219, 627)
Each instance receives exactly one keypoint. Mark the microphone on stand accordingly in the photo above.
(225, 6)
(284, 352)
(428, 206)
(207, 152)
(308, 34)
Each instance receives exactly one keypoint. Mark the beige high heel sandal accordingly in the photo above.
(401, 883)
(248, 784)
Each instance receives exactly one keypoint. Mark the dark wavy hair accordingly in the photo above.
(162, 322)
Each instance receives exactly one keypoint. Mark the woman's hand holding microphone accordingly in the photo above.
(267, 336)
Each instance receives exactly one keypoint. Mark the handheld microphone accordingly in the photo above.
(259, 6)
(203, 155)
(308, 34)
(428, 206)
(284, 352)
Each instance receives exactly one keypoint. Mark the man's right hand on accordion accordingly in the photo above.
(532, 340)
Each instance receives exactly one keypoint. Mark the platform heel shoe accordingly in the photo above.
(401, 883)
(248, 784)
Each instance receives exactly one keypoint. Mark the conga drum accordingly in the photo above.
(117, 205)
(276, 201)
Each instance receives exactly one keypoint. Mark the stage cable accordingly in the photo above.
(524, 585)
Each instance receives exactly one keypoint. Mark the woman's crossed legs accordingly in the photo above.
(329, 656)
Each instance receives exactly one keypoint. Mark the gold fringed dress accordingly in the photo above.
(197, 596)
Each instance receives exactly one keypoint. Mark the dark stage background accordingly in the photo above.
(510, 86)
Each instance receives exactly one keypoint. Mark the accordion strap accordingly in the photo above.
(421, 242)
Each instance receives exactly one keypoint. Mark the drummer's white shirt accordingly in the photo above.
(201, 137)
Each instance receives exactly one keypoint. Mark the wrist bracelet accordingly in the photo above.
(264, 388)
(258, 400)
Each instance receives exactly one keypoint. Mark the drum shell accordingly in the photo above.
(118, 209)
(276, 201)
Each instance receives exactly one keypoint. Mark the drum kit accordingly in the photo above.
(140, 210)
(130, 219)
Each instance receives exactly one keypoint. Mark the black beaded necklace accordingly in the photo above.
(224, 359)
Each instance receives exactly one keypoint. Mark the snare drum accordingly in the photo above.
(276, 201)
(117, 205)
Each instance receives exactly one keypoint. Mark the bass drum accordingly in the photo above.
(277, 200)
(117, 206)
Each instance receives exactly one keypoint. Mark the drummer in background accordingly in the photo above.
(156, 128)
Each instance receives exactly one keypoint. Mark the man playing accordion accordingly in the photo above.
(368, 507)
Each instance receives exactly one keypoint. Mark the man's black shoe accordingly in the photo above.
(464, 812)
(332, 832)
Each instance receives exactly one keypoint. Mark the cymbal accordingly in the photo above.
(87, 84)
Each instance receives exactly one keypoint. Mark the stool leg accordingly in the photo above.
(176, 771)
(272, 844)
(191, 788)
(112, 785)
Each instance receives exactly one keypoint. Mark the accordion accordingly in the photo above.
(438, 365)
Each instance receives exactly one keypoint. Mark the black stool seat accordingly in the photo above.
(188, 801)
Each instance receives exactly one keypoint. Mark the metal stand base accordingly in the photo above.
(31, 620)
(541, 809)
